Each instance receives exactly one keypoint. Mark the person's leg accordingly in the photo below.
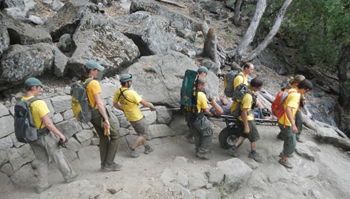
(253, 137)
(288, 145)
(43, 164)
(104, 141)
(299, 124)
(233, 151)
(113, 144)
(207, 135)
(196, 135)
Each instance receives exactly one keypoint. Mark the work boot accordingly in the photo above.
(132, 153)
(280, 136)
(286, 163)
(206, 155)
(233, 152)
(256, 157)
(112, 167)
(72, 177)
(41, 189)
(148, 149)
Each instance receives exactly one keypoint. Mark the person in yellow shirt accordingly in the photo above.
(287, 122)
(128, 101)
(242, 77)
(48, 137)
(108, 143)
(201, 128)
(246, 123)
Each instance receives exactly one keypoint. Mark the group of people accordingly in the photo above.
(290, 123)
(127, 101)
(47, 146)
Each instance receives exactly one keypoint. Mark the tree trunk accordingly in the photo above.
(251, 31)
(270, 36)
(210, 48)
(343, 63)
(237, 17)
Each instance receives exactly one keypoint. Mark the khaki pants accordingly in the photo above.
(45, 147)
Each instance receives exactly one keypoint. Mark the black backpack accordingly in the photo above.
(25, 129)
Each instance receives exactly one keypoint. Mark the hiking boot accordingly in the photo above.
(233, 152)
(286, 163)
(206, 155)
(41, 189)
(132, 153)
(256, 157)
(112, 167)
(300, 140)
(72, 177)
(148, 149)
(280, 136)
(281, 154)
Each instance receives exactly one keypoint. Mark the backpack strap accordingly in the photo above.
(122, 94)
(28, 102)
(85, 84)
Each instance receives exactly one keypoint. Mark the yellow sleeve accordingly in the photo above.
(116, 95)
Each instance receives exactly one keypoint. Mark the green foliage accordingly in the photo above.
(317, 28)
(223, 188)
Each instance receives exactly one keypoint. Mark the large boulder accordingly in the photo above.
(4, 36)
(159, 77)
(95, 39)
(20, 62)
(69, 16)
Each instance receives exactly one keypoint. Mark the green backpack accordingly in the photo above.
(189, 95)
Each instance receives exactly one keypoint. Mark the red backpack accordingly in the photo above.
(277, 108)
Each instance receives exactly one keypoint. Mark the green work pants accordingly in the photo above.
(202, 133)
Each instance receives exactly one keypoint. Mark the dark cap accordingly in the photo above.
(32, 81)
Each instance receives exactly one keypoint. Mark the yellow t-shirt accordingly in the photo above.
(201, 102)
(239, 80)
(38, 109)
(93, 88)
(130, 106)
(292, 101)
(247, 102)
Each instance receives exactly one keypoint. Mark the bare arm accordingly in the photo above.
(117, 106)
(49, 125)
(146, 104)
(291, 119)
(245, 116)
(102, 109)
(218, 109)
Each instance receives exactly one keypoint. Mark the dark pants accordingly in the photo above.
(202, 133)
(289, 138)
(108, 144)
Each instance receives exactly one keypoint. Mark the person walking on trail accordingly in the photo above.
(202, 72)
(128, 101)
(287, 123)
(108, 143)
(201, 128)
(293, 83)
(48, 137)
(246, 123)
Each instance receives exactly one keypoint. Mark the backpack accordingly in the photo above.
(238, 94)
(80, 102)
(25, 129)
(189, 96)
(228, 82)
(277, 108)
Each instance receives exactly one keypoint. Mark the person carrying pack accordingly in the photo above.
(287, 123)
(128, 101)
(198, 124)
(80, 103)
(246, 123)
(229, 81)
(46, 146)
(293, 83)
(105, 128)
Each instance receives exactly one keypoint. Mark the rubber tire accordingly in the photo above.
(227, 141)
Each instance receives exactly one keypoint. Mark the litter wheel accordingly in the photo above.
(226, 140)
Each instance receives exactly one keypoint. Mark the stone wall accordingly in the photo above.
(17, 160)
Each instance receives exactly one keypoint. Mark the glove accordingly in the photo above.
(107, 131)
(62, 144)
(153, 108)
(246, 130)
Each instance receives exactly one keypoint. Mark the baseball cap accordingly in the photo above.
(126, 77)
(203, 69)
(91, 64)
(33, 82)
